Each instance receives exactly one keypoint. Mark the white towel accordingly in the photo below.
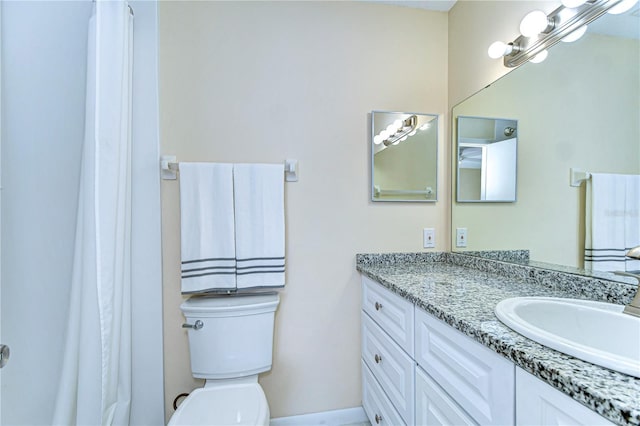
(612, 221)
(259, 209)
(207, 227)
(632, 220)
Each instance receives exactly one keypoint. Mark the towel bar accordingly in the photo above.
(169, 167)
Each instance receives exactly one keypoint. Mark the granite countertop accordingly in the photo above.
(463, 292)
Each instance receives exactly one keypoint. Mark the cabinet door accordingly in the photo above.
(434, 407)
(376, 405)
(390, 365)
(537, 403)
(390, 311)
(478, 379)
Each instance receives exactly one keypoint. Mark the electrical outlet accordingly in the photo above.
(429, 238)
(461, 237)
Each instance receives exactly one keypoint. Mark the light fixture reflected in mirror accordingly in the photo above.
(397, 132)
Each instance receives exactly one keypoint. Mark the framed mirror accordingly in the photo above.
(487, 159)
(579, 109)
(404, 156)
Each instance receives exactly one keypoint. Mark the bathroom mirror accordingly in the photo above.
(487, 159)
(580, 108)
(404, 154)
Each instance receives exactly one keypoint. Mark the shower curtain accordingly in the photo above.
(95, 379)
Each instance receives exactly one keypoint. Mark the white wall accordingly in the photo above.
(44, 48)
(265, 81)
(147, 382)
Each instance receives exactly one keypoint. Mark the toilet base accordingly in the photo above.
(234, 402)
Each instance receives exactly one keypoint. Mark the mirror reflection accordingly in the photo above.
(404, 152)
(487, 158)
(580, 109)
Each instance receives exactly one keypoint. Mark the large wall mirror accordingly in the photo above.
(404, 154)
(578, 109)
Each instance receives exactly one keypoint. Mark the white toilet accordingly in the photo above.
(230, 341)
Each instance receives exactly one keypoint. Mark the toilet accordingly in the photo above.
(230, 343)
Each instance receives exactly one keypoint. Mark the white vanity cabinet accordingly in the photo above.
(417, 370)
(537, 403)
(478, 379)
(388, 368)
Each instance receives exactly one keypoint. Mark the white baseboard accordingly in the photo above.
(326, 418)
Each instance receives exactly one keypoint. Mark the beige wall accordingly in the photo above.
(265, 81)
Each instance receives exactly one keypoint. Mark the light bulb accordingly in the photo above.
(403, 139)
(385, 134)
(377, 139)
(539, 57)
(413, 133)
(622, 7)
(396, 142)
(398, 124)
(575, 35)
(573, 3)
(534, 23)
(392, 129)
(499, 49)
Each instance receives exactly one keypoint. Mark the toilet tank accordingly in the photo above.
(236, 337)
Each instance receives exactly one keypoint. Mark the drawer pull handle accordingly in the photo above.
(378, 306)
(378, 419)
(377, 358)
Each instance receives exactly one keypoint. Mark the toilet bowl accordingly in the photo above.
(230, 343)
(224, 405)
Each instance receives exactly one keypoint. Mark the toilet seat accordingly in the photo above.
(231, 404)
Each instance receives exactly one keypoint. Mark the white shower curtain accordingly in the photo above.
(95, 381)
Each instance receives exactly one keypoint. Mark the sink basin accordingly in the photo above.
(596, 332)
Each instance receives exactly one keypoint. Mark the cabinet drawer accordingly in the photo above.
(434, 407)
(481, 381)
(379, 409)
(393, 313)
(537, 403)
(391, 366)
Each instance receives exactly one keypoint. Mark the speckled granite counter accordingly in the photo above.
(463, 292)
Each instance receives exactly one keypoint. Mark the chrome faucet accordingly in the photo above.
(633, 308)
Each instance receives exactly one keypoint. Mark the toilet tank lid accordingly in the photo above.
(221, 304)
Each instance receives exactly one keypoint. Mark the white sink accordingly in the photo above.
(596, 332)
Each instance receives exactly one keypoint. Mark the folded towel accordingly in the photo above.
(259, 216)
(207, 227)
(612, 216)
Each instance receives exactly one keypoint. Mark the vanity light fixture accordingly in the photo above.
(573, 3)
(541, 31)
(397, 132)
(539, 57)
(534, 23)
(577, 34)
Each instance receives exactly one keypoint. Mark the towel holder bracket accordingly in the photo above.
(166, 163)
(577, 176)
(169, 168)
